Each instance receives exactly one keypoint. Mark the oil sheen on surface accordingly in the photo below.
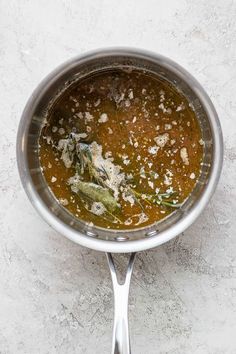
(144, 126)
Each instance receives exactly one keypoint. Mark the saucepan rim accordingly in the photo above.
(162, 236)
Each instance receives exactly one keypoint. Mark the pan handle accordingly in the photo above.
(120, 340)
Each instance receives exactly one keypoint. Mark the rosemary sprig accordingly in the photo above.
(171, 204)
(144, 173)
(134, 194)
(114, 216)
(157, 198)
(142, 196)
(166, 194)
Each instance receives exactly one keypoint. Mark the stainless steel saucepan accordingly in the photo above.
(97, 238)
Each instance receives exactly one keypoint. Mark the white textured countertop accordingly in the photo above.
(55, 296)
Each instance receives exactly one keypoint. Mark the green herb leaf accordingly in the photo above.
(96, 193)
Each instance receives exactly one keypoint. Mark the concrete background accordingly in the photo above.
(55, 297)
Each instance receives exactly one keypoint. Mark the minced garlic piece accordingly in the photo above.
(201, 142)
(63, 201)
(103, 118)
(97, 103)
(98, 208)
(61, 131)
(153, 150)
(168, 126)
(184, 155)
(161, 140)
(151, 184)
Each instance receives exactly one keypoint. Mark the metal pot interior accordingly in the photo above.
(62, 78)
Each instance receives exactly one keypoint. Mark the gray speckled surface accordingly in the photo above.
(55, 297)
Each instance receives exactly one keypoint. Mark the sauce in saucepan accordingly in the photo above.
(121, 150)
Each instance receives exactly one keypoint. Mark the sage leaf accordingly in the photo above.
(96, 193)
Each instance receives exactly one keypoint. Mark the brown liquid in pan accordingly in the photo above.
(145, 127)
